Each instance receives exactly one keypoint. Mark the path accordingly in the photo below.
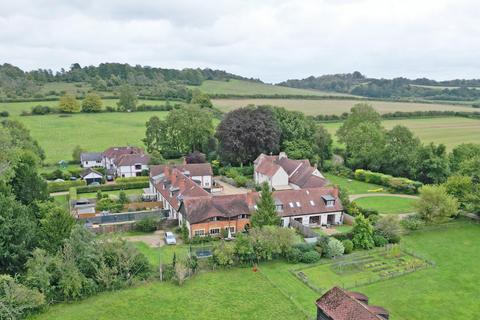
(228, 188)
(365, 195)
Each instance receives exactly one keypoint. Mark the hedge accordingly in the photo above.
(65, 185)
(132, 179)
(72, 193)
(112, 187)
(398, 184)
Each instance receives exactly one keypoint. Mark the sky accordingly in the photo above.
(273, 40)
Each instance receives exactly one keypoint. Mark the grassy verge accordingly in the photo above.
(388, 205)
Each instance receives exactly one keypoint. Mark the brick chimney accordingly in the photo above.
(181, 184)
(174, 176)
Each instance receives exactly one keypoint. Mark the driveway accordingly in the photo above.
(228, 188)
(153, 240)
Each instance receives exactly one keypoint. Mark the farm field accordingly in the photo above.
(450, 131)
(354, 186)
(387, 205)
(333, 106)
(241, 87)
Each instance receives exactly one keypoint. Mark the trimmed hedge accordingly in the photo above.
(132, 179)
(65, 185)
(403, 185)
(112, 187)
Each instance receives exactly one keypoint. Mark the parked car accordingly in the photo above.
(94, 183)
(170, 238)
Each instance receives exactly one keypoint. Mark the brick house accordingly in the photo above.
(338, 304)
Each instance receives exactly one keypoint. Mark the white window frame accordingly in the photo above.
(211, 233)
(195, 232)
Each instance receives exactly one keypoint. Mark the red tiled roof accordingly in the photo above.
(115, 152)
(339, 305)
(195, 169)
(132, 159)
(267, 168)
(310, 201)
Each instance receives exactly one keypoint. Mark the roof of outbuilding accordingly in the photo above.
(90, 156)
(87, 171)
(340, 305)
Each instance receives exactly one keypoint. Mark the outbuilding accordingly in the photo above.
(90, 176)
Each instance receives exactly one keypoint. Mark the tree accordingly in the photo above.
(20, 138)
(27, 185)
(322, 143)
(17, 300)
(122, 197)
(18, 234)
(195, 157)
(266, 213)
(127, 99)
(155, 134)
(462, 152)
(470, 167)
(201, 99)
(461, 187)
(244, 133)
(400, 150)
(271, 241)
(389, 227)
(334, 248)
(244, 249)
(362, 233)
(360, 113)
(56, 224)
(294, 126)
(156, 158)
(365, 146)
(77, 151)
(68, 104)
(224, 253)
(435, 204)
(431, 164)
(300, 149)
(92, 103)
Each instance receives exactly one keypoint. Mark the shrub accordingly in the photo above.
(224, 253)
(146, 225)
(310, 257)
(304, 247)
(4, 114)
(379, 240)
(397, 184)
(41, 110)
(294, 255)
(65, 185)
(348, 245)
(389, 227)
(413, 222)
(241, 181)
(334, 248)
(16, 300)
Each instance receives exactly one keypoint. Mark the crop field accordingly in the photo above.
(355, 269)
(241, 87)
(387, 205)
(332, 106)
(449, 131)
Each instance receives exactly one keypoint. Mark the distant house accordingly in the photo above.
(282, 173)
(111, 155)
(310, 206)
(91, 159)
(201, 173)
(338, 304)
(90, 176)
(131, 165)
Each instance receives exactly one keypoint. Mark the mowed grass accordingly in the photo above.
(450, 131)
(339, 106)
(224, 294)
(241, 87)
(388, 205)
(354, 186)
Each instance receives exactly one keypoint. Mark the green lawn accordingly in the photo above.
(241, 87)
(114, 194)
(449, 131)
(230, 294)
(163, 254)
(387, 205)
(354, 186)
(61, 200)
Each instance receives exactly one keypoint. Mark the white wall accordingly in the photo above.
(130, 171)
(306, 218)
(92, 164)
(280, 178)
(205, 181)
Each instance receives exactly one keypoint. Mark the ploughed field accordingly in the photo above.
(448, 289)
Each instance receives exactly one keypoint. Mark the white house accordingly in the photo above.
(113, 154)
(282, 173)
(91, 159)
(131, 165)
(90, 176)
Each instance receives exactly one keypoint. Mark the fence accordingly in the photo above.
(304, 230)
(126, 217)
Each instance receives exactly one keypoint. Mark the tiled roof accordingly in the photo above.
(115, 152)
(90, 156)
(339, 305)
(306, 201)
(87, 171)
(267, 168)
(132, 159)
(194, 169)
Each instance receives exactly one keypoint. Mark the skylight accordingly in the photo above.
(290, 204)
(298, 204)
(312, 203)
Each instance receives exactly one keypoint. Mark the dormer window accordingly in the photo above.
(329, 200)
(279, 207)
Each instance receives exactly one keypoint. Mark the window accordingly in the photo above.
(86, 162)
(213, 219)
(312, 203)
(298, 204)
(244, 216)
(232, 229)
(279, 207)
(207, 184)
(298, 219)
(199, 233)
(214, 231)
(291, 204)
(330, 203)
(138, 167)
(314, 220)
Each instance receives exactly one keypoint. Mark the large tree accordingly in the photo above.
(68, 104)
(462, 152)
(435, 204)
(20, 138)
(246, 132)
(92, 103)
(322, 143)
(56, 223)
(362, 233)
(431, 164)
(184, 130)
(400, 148)
(127, 99)
(266, 213)
(201, 99)
(360, 113)
(27, 185)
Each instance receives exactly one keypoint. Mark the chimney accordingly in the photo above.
(335, 192)
(174, 176)
(282, 155)
(165, 171)
(181, 184)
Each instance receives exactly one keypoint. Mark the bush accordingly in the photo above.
(348, 245)
(304, 247)
(403, 185)
(4, 114)
(379, 240)
(294, 255)
(16, 300)
(413, 222)
(146, 225)
(310, 257)
(41, 110)
(132, 179)
(241, 181)
(334, 248)
(65, 185)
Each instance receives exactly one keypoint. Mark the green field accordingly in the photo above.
(419, 295)
(449, 131)
(387, 205)
(354, 186)
(241, 87)
(332, 106)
